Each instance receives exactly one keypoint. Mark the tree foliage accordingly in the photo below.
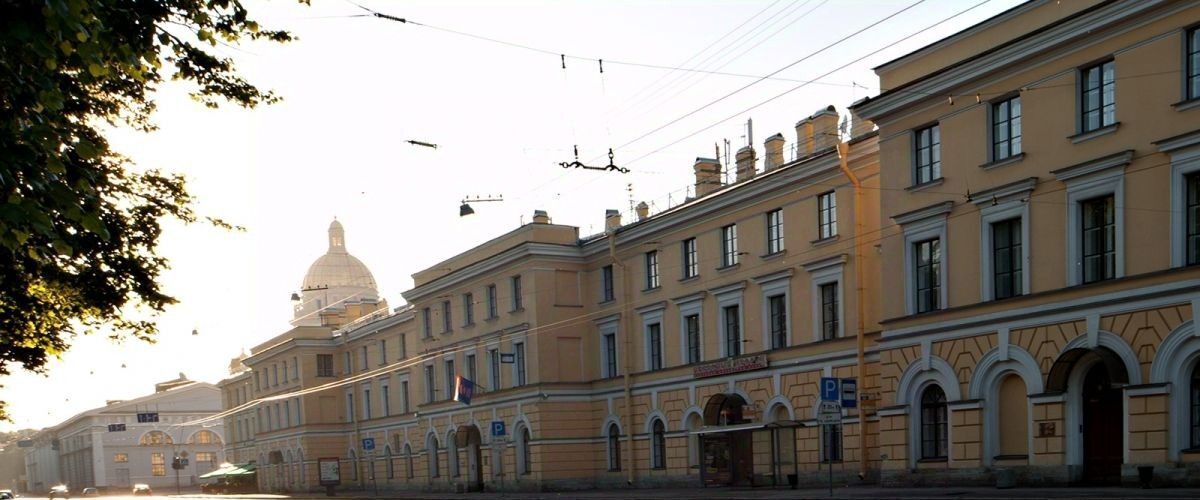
(80, 225)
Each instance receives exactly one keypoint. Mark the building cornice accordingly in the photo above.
(492, 264)
(1019, 51)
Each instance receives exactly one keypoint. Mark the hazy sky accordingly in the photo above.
(356, 88)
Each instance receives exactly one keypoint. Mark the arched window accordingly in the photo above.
(408, 461)
(391, 467)
(154, 438)
(1195, 406)
(614, 447)
(658, 447)
(525, 462)
(933, 423)
(694, 423)
(1012, 417)
(303, 468)
(204, 437)
(452, 453)
(431, 454)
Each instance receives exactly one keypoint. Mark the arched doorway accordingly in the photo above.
(727, 446)
(469, 439)
(1094, 417)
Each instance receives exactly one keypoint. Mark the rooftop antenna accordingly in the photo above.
(750, 132)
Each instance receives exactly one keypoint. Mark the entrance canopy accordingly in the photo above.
(756, 426)
(226, 470)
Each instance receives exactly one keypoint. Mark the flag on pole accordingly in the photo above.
(464, 388)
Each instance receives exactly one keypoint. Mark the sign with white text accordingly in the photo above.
(330, 471)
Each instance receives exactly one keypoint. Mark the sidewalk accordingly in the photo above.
(764, 494)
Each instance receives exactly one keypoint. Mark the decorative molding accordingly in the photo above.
(693, 297)
(768, 278)
(727, 289)
(826, 262)
(924, 213)
(1094, 166)
(652, 307)
(1180, 141)
(1000, 194)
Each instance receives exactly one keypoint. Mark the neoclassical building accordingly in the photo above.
(1001, 251)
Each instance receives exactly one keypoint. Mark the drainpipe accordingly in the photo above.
(628, 332)
(843, 149)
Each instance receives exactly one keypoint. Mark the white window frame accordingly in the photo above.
(366, 400)
(385, 396)
(450, 366)
(775, 232)
(430, 373)
(779, 283)
(516, 366)
(650, 263)
(726, 296)
(991, 214)
(650, 316)
(609, 327)
(1101, 177)
(1185, 160)
(688, 306)
(824, 272)
(924, 224)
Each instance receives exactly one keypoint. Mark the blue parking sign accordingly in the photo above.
(831, 389)
(368, 444)
(497, 428)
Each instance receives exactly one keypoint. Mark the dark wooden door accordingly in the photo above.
(1102, 430)
(743, 458)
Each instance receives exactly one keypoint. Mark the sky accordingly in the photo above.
(503, 113)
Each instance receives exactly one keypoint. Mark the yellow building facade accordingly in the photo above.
(999, 250)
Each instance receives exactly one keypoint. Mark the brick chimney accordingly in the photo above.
(708, 176)
(774, 148)
(804, 138)
(643, 210)
(745, 164)
(825, 128)
(612, 219)
(541, 217)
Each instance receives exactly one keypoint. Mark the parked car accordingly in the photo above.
(142, 489)
(60, 491)
(90, 492)
(7, 495)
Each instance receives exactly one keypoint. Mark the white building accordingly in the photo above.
(91, 449)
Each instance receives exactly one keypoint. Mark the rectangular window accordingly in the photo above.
(606, 284)
(295, 368)
(1006, 128)
(827, 215)
(729, 248)
(516, 293)
(426, 323)
(928, 155)
(927, 272)
(382, 352)
(651, 269)
(1192, 215)
(519, 348)
(469, 360)
(468, 300)
(491, 302)
(324, 365)
(733, 330)
(831, 443)
(654, 339)
(691, 324)
(285, 372)
(691, 268)
(387, 399)
(366, 403)
(829, 311)
(777, 307)
(610, 355)
(363, 358)
(446, 322)
(494, 368)
(429, 388)
(349, 408)
(403, 346)
(404, 396)
(257, 382)
(1099, 239)
(158, 464)
(274, 375)
(775, 231)
(1097, 96)
(1006, 259)
(1193, 63)
(287, 413)
(120, 457)
(450, 376)
(206, 457)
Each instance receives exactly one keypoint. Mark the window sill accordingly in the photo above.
(1004, 162)
(1191, 451)
(606, 302)
(923, 186)
(730, 267)
(934, 460)
(1010, 457)
(517, 310)
(468, 325)
(652, 290)
(1187, 104)
(689, 279)
(773, 255)
(1092, 134)
(837, 461)
(824, 241)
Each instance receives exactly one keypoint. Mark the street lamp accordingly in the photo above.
(465, 209)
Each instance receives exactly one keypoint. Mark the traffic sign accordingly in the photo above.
(498, 428)
(849, 393)
(830, 390)
(369, 444)
(829, 413)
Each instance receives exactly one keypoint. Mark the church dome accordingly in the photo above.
(337, 268)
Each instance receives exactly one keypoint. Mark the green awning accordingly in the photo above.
(230, 470)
